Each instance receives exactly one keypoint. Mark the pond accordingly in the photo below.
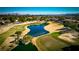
(37, 30)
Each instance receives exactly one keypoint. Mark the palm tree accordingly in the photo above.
(27, 38)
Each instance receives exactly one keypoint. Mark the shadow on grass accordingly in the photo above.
(71, 48)
(23, 47)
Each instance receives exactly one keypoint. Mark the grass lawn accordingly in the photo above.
(50, 42)
(55, 34)
(11, 31)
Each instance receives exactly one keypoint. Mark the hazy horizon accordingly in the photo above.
(39, 10)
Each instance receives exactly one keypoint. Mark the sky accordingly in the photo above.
(39, 10)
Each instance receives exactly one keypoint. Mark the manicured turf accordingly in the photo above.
(51, 42)
(11, 31)
(55, 34)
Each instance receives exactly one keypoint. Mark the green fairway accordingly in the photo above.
(11, 31)
(51, 42)
(55, 34)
